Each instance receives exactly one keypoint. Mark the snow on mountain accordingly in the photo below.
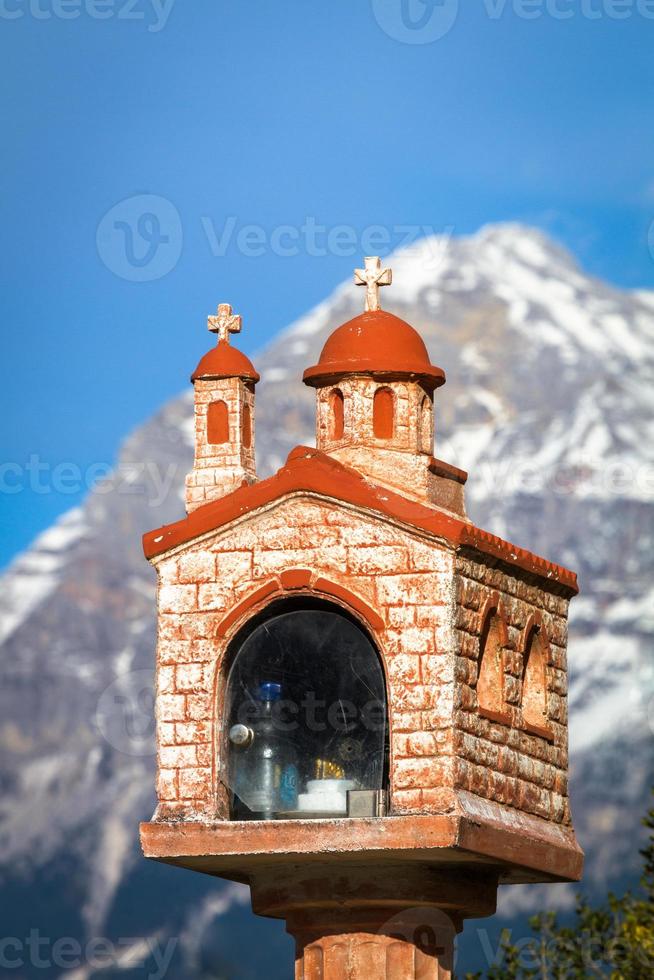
(34, 574)
(549, 404)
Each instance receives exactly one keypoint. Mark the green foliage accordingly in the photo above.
(614, 941)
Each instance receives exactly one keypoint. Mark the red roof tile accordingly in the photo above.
(314, 472)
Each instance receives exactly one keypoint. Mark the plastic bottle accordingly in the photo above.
(264, 761)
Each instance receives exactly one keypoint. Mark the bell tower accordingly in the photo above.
(375, 388)
(223, 384)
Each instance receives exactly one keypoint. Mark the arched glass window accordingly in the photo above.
(305, 717)
(337, 414)
(217, 423)
(247, 427)
(383, 414)
(490, 680)
(534, 690)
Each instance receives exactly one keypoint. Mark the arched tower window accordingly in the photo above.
(247, 426)
(217, 423)
(534, 689)
(490, 679)
(305, 726)
(383, 414)
(337, 414)
(426, 425)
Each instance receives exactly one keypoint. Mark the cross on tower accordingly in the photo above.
(225, 322)
(372, 277)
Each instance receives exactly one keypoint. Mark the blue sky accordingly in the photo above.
(191, 119)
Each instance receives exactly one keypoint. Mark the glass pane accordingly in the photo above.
(305, 717)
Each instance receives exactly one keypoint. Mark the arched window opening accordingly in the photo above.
(490, 680)
(247, 426)
(305, 720)
(337, 414)
(426, 425)
(534, 690)
(383, 414)
(217, 423)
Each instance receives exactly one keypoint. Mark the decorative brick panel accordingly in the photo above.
(530, 773)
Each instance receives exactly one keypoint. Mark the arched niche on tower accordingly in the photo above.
(534, 679)
(336, 414)
(304, 715)
(246, 426)
(383, 413)
(426, 424)
(217, 423)
(490, 668)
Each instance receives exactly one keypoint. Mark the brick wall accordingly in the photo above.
(430, 601)
(505, 762)
(406, 579)
(220, 468)
(412, 423)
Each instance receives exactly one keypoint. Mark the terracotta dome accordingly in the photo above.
(376, 343)
(225, 361)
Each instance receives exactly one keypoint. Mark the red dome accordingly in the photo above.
(375, 343)
(225, 361)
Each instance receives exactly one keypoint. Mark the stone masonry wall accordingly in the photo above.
(410, 419)
(401, 462)
(405, 578)
(503, 762)
(220, 468)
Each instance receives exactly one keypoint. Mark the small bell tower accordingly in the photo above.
(375, 388)
(223, 385)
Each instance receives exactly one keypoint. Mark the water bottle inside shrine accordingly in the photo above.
(305, 732)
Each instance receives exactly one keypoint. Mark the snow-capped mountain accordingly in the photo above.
(549, 405)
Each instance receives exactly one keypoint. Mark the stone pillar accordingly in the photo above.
(373, 944)
(373, 921)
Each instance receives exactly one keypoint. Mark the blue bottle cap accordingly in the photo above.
(269, 691)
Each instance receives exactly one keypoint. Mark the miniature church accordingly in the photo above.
(361, 696)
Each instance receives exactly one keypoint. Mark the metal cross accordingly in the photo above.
(372, 277)
(225, 322)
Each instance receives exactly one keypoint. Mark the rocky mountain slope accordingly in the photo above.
(550, 407)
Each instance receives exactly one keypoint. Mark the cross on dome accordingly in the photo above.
(372, 277)
(225, 322)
